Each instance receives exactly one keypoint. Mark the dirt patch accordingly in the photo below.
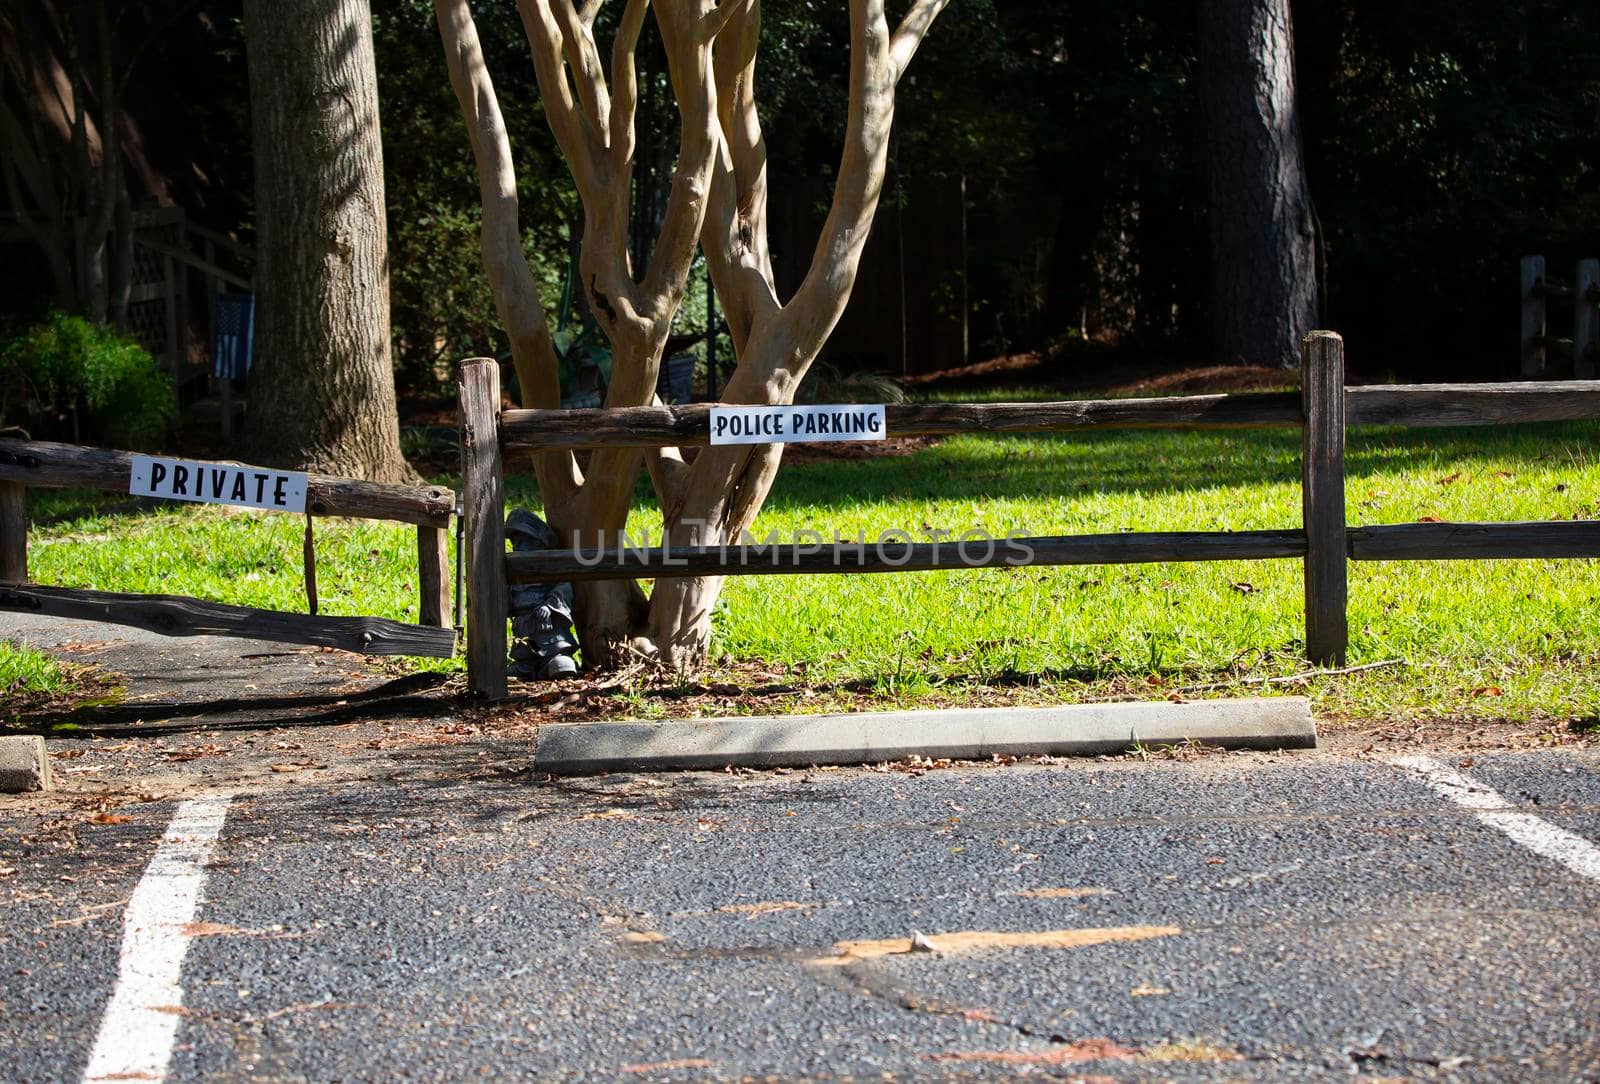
(1088, 373)
(1010, 368)
(1211, 379)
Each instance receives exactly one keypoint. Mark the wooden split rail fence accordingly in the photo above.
(25, 464)
(1323, 409)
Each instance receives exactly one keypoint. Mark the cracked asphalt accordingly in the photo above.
(1229, 917)
(395, 894)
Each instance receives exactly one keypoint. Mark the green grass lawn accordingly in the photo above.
(1512, 640)
(29, 677)
(25, 671)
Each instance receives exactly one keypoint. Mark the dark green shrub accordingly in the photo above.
(68, 369)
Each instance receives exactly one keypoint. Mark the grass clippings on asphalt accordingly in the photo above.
(34, 683)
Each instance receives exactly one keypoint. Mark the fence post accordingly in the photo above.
(483, 498)
(1532, 315)
(1586, 319)
(13, 532)
(433, 577)
(1322, 497)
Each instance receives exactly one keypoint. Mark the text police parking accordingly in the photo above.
(795, 424)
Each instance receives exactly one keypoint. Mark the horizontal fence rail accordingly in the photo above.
(649, 427)
(43, 464)
(1152, 547)
(1419, 405)
(1475, 541)
(1445, 405)
(1393, 542)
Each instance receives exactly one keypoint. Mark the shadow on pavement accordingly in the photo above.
(414, 696)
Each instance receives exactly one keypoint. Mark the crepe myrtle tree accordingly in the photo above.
(718, 201)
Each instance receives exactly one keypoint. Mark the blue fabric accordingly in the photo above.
(235, 321)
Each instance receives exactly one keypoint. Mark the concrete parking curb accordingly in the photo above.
(795, 741)
(24, 764)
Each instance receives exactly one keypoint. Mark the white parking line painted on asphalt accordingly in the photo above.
(140, 1024)
(1539, 836)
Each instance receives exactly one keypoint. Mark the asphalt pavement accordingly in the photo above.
(1226, 917)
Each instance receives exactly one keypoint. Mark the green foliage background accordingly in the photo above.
(67, 372)
(1443, 140)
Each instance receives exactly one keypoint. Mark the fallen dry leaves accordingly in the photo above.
(765, 907)
(668, 1066)
(1062, 893)
(1076, 1050)
(848, 952)
(1189, 1050)
(194, 752)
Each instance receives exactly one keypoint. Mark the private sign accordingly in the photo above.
(795, 424)
(218, 483)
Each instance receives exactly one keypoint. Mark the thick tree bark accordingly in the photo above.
(1263, 239)
(321, 388)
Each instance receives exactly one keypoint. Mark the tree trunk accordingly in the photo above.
(716, 199)
(680, 609)
(321, 388)
(1263, 242)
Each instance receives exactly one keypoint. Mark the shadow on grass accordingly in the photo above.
(1148, 462)
(1145, 462)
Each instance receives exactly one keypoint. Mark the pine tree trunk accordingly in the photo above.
(321, 390)
(1263, 241)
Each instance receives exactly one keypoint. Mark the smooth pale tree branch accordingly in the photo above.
(577, 142)
(625, 86)
(912, 29)
(735, 235)
(689, 68)
(717, 19)
(718, 199)
(603, 261)
(588, 75)
(727, 485)
(510, 280)
(643, 314)
(668, 474)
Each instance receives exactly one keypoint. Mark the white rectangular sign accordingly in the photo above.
(218, 483)
(795, 424)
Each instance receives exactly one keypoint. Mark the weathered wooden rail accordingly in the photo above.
(41, 464)
(1324, 409)
(1414, 405)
